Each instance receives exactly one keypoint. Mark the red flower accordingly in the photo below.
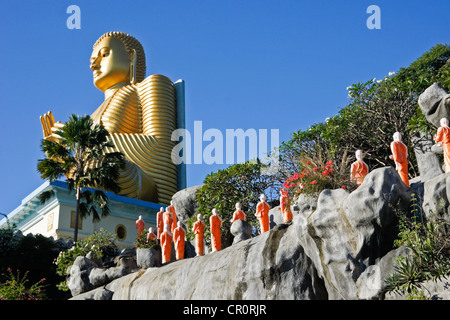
(343, 187)
(314, 182)
(308, 162)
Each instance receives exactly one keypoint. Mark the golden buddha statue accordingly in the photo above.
(139, 113)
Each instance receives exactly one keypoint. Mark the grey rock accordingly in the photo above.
(100, 293)
(436, 197)
(433, 105)
(241, 230)
(185, 204)
(349, 232)
(78, 281)
(428, 161)
(270, 266)
(148, 257)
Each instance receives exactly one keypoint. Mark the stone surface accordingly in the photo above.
(436, 197)
(185, 204)
(148, 257)
(348, 233)
(432, 104)
(269, 266)
(338, 246)
(429, 162)
(241, 230)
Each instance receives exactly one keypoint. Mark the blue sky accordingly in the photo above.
(247, 64)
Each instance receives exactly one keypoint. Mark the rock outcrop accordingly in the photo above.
(338, 246)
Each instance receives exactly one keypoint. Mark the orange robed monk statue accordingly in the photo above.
(166, 243)
(262, 213)
(285, 207)
(168, 218)
(238, 214)
(174, 216)
(215, 223)
(160, 222)
(140, 225)
(443, 136)
(151, 234)
(359, 169)
(179, 238)
(400, 157)
(199, 231)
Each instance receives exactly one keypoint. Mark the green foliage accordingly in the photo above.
(99, 244)
(242, 182)
(30, 254)
(376, 110)
(8, 242)
(430, 259)
(80, 154)
(317, 175)
(142, 241)
(15, 287)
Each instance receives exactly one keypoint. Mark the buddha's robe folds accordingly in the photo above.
(443, 135)
(179, 240)
(400, 156)
(140, 119)
(199, 231)
(358, 170)
(215, 224)
(238, 215)
(262, 213)
(285, 208)
(166, 246)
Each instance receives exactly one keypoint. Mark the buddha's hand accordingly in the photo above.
(49, 126)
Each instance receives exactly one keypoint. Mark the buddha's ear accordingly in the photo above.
(133, 57)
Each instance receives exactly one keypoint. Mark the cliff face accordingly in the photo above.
(338, 246)
(270, 266)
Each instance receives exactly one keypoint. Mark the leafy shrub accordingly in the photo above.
(377, 109)
(142, 241)
(242, 182)
(316, 176)
(99, 244)
(15, 288)
(429, 243)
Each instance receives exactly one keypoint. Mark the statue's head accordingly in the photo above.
(397, 136)
(116, 58)
(359, 155)
(262, 197)
(444, 122)
(238, 205)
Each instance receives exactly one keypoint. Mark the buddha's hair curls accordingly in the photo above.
(130, 43)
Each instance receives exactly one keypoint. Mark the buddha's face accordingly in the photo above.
(110, 63)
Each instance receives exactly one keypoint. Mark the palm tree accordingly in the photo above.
(80, 154)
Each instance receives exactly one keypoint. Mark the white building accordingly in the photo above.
(56, 217)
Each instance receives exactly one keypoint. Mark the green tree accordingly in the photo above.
(376, 110)
(242, 182)
(80, 154)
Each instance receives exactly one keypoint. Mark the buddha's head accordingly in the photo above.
(117, 58)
